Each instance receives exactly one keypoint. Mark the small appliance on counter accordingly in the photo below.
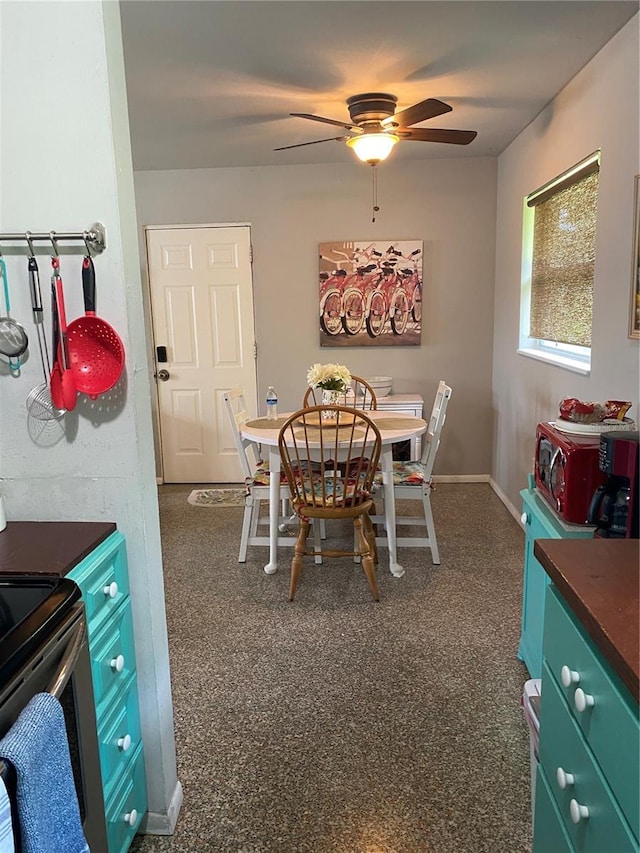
(566, 462)
(614, 506)
(566, 471)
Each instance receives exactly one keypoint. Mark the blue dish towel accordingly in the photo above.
(46, 797)
(6, 827)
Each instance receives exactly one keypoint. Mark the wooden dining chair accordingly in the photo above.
(310, 446)
(360, 395)
(413, 480)
(256, 478)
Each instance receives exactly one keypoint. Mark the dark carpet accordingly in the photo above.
(337, 725)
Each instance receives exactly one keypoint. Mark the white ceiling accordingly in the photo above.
(211, 83)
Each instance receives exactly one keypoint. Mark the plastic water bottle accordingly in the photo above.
(272, 404)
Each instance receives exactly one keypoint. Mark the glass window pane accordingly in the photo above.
(564, 235)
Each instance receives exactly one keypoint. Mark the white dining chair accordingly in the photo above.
(413, 481)
(256, 478)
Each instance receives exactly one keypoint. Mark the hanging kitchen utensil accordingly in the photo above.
(39, 403)
(38, 313)
(55, 380)
(13, 338)
(68, 390)
(95, 348)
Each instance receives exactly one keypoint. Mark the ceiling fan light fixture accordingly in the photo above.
(372, 148)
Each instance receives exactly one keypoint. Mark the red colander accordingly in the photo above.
(96, 353)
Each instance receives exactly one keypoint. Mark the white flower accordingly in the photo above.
(331, 377)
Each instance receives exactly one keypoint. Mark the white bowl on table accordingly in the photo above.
(381, 384)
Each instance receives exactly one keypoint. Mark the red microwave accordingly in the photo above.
(566, 471)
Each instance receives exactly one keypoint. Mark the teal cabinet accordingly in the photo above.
(589, 744)
(550, 835)
(539, 522)
(103, 578)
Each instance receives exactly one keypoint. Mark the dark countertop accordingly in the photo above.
(600, 579)
(49, 547)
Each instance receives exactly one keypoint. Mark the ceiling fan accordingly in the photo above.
(376, 127)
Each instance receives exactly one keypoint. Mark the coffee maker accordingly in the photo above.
(614, 505)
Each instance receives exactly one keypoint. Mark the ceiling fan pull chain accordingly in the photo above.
(375, 192)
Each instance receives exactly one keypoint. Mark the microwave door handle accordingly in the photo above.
(558, 452)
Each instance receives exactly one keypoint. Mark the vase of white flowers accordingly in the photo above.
(331, 397)
(333, 380)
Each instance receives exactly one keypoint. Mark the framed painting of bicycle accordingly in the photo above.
(370, 293)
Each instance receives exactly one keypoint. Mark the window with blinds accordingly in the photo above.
(559, 242)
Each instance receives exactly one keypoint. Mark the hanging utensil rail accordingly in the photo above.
(94, 238)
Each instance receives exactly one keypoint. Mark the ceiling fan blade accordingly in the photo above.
(437, 134)
(418, 112)
(315, 142)
(326, 121)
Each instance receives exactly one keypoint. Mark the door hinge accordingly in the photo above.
(255, 351)
(251, 254)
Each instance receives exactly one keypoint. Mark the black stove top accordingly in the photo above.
(30, 608)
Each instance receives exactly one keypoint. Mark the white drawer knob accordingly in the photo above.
(577, 811)
(131, 817)
(124, 743)
(117, 664)
(564, 779)
(583, 700)
(569, 676)
(524, 518)
(111, 590)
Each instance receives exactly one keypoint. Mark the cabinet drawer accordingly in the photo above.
(409, 404)
(550, 836)
(536, 525)
(127, 806)
(119, 736)
(611, 726)
(535, 582)
(534, 585)
(112, 658)
(562, 746)
(104, 580)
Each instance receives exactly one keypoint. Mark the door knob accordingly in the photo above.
(564, 779)
(583, 700)
(163, 375)
(117, 664)
(569, 676)
(577, 811)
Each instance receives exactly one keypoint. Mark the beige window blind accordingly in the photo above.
(564, 241)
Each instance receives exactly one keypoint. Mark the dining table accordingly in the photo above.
(393, 427)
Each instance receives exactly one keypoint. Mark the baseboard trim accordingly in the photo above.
(164, 824)
(462, 478)
(159, 481)
(505, 500)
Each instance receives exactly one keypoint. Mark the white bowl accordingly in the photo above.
(380, 384)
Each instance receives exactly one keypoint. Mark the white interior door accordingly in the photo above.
(202, 312)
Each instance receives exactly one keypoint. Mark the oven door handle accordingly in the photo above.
(68, 662)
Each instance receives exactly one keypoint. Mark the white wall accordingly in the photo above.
(450, 204)
(65, 163)
(598, 109)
